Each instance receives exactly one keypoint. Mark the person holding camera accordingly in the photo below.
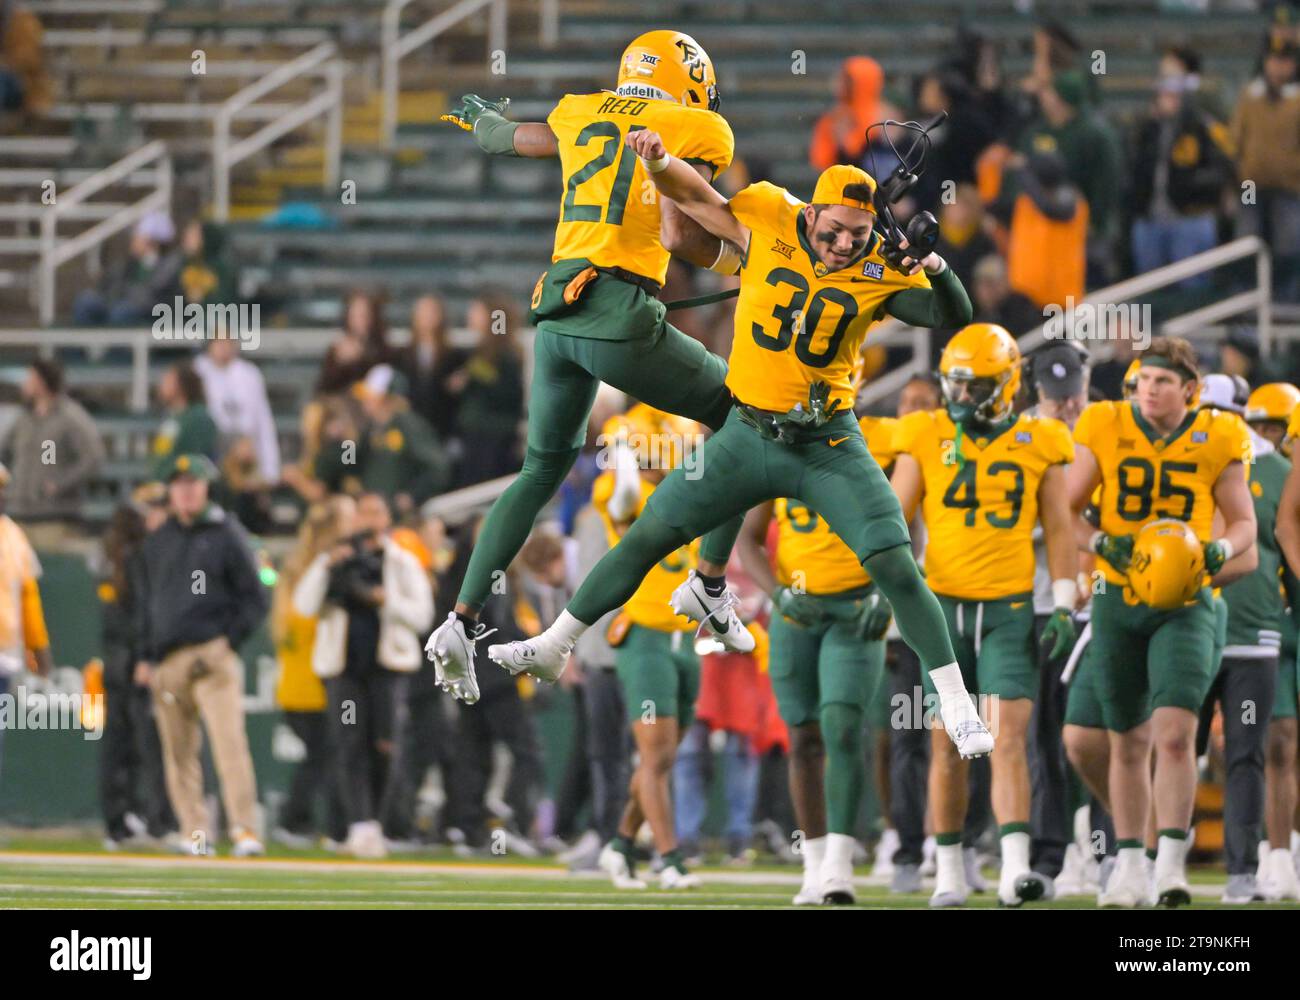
(373, 603)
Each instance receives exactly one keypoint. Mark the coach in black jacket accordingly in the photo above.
(200, 598)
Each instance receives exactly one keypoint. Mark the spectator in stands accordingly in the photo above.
(395, 453)
(840, 135)
(24, 80)
(133, 791)
(24, 640)
(199, 598)
(362, 344)
(488, 387)
(188, 427)
(373, 605)
(1266, 135)
(958, 142)
(1180, 170)
(995, 301)
(55, 451)
(1239, 355)
(427, 361)
(1182, 64)
(205, 276)
(299, 692)
(1108, 377)
(1090, 151)
(962, 237)
(1047, 241)
(235, 393)
(147, 276)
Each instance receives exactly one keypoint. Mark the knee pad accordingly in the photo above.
(546, 469)
(895, 570)
(842, 727)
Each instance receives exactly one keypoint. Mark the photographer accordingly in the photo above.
(373, 602)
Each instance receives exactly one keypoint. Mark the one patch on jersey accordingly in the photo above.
(784, 249)
(1200, 437)
(1124, 443)
(872, 269)
(1024, 437)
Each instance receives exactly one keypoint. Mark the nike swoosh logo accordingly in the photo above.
(716, 625)
(834, 441)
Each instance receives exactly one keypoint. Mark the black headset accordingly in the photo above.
(922, 231)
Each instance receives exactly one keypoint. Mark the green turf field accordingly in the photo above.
(68, 879)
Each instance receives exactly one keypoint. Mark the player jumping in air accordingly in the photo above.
(596, 314)
(812, 284)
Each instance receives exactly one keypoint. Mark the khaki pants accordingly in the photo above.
(205, 680)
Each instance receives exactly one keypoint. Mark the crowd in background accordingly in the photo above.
(1050, 198)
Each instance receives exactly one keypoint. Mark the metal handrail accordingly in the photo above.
(1258, 299)
(317, 61)
(54, 253)
(397, 46)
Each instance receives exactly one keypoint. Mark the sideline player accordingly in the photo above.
(1156, 457)
(985, 477)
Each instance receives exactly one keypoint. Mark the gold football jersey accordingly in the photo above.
(981, 503)
(1145, 477)
(649, 606)
(808, 554)
(604, 215)
(797, 324)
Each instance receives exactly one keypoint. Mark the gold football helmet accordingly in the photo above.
(1168, 565)
(980, 373)
(669, 65)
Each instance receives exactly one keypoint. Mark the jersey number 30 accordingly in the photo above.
(800, 324)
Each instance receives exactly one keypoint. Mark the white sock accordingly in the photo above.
(838, 862)
(1171, 858)
(1295, 841)
(814, 854)
(1015, 854)
(1130, 865)
(565, 631)
(950, 870)
(954, 699)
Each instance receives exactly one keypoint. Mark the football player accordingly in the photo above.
(654, 652)
(984, 477)
(1247, 675)
(595, 309)
(812, 284)
(1264, 411)
(1155, 457)
(826, 660)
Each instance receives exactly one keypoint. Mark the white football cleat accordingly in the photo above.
(615, 865)
(717, 613)
(1172, 890)
(1079, 874)
(883, 868)
(969, 734)
(544, 658)
(809, 894)
(451, 649)
(838, 891)
(673, 877)
(1032, 887)
(975, 880)
(1279, 881)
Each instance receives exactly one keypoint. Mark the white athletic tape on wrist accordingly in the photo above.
(657, 166)
(1228, 550)
(1065, 593)
(728, 261)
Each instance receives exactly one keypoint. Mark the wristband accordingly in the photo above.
(943, 266)
(728, 261)
(1065, 593)
(1226, 546)
(657, 166)
(1097, 538)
